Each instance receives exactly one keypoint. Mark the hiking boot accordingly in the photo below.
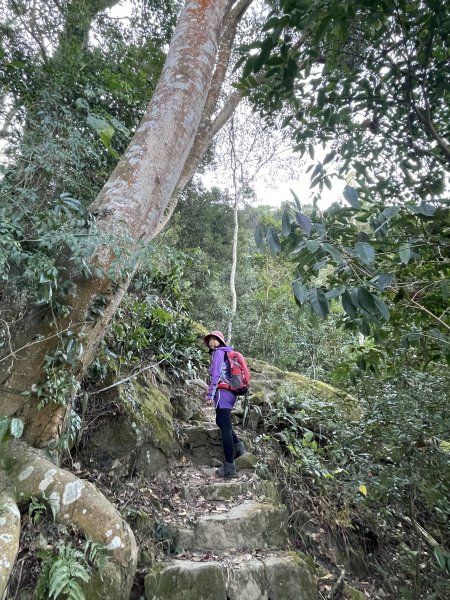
(227, 471)
(239, 449)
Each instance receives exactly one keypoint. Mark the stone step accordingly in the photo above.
(220, 490)
(247, 526)
(203, 443)
(277, 576)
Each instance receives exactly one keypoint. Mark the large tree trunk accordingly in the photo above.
(128, 210)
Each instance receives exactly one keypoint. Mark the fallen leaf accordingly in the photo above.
(363, 489)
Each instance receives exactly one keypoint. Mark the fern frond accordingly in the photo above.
(74, 591)
(40, 591)
(59, 578)
(79, 571)
(96, 554)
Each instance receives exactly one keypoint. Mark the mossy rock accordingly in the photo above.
(186, 581)
(247, 461)
(350, 593)
(141, 437)
(269, 385)
(103, 585)
(306, 558)
(151, 413)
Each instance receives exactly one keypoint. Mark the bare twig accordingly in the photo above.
(41, 340)
(129, 377)
(429, 313)
(336, 592)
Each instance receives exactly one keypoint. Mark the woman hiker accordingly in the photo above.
(223, 401)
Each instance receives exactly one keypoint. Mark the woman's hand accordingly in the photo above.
(208, 400)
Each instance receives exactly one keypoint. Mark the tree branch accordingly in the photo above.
(429, 313)
(425, 119)
(207, 128)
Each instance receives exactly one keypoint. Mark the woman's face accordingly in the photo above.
(213, 343)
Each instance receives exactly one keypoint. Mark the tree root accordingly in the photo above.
(9, 537)
(27, 472)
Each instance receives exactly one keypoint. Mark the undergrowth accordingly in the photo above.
(53, 562)
(371, 495)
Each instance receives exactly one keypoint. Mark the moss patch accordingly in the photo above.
(268, 383)
(151, 410)
(351, 593)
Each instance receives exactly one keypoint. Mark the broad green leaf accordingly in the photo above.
(101, 126)
(286, 223)
(248, 67)
(440, 556)
(391, 211)
(120, 127)
(444, 446)
(319, 302)
(296, 199)
(334, 293)
(318, 265)
(298, 248)
(329, 157)
(405, 253)
(300, 291)
(304, 222)
(335, 253)
(273, 240)
(308, 436)
(105, 131)
(348, 305)
(365, 251)
(427, 210)
(352, 196)
(366, 300)
(382, 307)
(312, 245)
(384, 280)
(16, 427)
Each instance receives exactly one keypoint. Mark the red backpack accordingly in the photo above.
(240, 376)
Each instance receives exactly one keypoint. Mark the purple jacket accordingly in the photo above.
(220, 371)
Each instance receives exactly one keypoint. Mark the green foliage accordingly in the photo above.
(366, 79)
(388, 266)
(267, 324)
(63, 573)
(96, 555)
(152, 323)
(302, 424)
(68, 114)
(33, 241)
(36, 510)
(387, 474)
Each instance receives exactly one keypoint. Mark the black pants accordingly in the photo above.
(229, 438)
